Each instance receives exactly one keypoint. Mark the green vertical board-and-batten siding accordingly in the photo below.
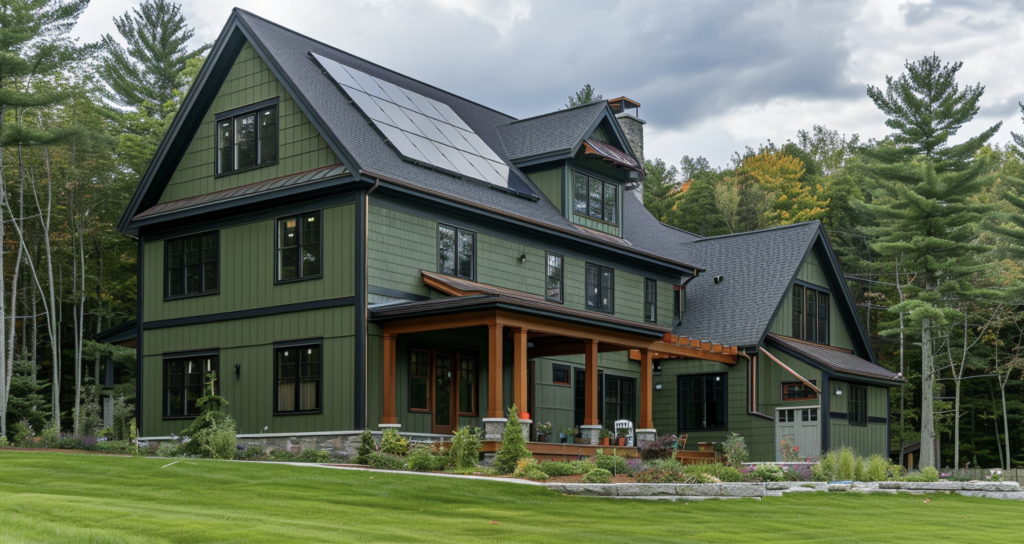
(301, 147)
(864, 439)
(550, 183)
(810, 272)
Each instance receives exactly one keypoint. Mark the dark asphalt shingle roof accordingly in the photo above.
(837, 360)
(549, 133)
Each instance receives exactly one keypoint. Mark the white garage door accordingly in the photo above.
(801, 426)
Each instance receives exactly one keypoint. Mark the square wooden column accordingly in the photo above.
(519, 382)
(494, 372)
(646, 389)
(390, 383)
(590, 403)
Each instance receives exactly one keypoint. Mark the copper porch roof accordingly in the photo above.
(332, 171)
(834, 359)
(609, 153)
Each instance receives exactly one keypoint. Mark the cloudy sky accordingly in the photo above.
(712, 77)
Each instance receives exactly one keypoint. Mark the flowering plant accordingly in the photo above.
(995, 475)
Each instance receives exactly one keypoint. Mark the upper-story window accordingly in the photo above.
(191, 265)
(456, 252)
(650, 300)
(298, 247)
(246, 139)
(553, 278)
(810, 314)
(595, 198)
(600, 288)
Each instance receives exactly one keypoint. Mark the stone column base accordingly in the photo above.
(494, 428)
(591, 434)
(645, 436)
(386, 426)
(525, 424)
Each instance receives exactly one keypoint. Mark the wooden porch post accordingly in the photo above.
(590, 406)
(390, 349)
(646, 389)
(519, 384)
(494, 356)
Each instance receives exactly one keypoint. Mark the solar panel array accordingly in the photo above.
(421, 129)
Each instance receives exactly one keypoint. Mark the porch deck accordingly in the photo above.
(550, 451)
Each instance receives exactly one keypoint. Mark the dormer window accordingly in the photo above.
(595, 198)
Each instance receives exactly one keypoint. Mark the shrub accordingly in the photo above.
(425, 458)
(314, 456)
(735, 449)
(114, 446)
(927, 474)
(254, 452)
(393, 443)
(50, 436)
(662, 471)
(366, 447)
(68, 442)
(718, 471)
(283, 456)
(20, 433)
(767, 472)
(121, 417)
(583, 466)
(386, 461)
(216, 440)
(3, 442)
(612, 463)
(465, 448)
(597, 476)
(168, 449)
(846, 464)
(877, 469)
(513, 447)
(661, 448)
(561, 468)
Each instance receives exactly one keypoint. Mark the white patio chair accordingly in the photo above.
(625, 424)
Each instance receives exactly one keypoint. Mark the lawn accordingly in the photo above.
(95, 498)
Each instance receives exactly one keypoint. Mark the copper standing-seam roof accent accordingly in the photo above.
(317, 174)
(609, 153)
(603, 236)
(835, 359)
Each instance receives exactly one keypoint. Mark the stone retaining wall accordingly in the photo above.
(991, 490)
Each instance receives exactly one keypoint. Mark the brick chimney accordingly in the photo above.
(627, 112)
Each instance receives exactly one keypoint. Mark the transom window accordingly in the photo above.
(553, 277)
(810, 314)
(600, 288)
(858, 405)
(298, 247)
(456, 252)
(184, 380)
(246, 140)
(650, 300)
(297, 368)
(560, 375)
(595, 198)
(191, 265)
(702, 402)
(798, 391)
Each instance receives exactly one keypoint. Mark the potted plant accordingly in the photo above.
(566, 435)
(604, 435)
(623, 433)
(577, 439)
(543, 430)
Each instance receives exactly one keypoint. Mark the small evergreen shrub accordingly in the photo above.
(597, 476)
(3, 442)
(735, 449)
(513, 447)
(114, 446)
(561, 468)
(281, 456)
(393, 443)
(49, 437)
(878, 469)
(314, 456)
(254, 452)
(366, 447)
(846, 465)
(528, 468)
(465, 448)
(217, 440)
(386, 461)
(425, 458)
(717, 471)
(20, 433)
(661, 448)
(611, 463)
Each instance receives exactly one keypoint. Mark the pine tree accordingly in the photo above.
(584, 96)
(146, 74)
(929, 215)
(659, 181)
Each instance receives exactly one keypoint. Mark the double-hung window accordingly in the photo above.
(247, 139)
(185, 378)
(297, 369)
(191, 265)
(553, 277)
(595, 198)
(456, 252)
(702, 402)
(810, 314)
(467, 386)
(600, 288)
(858, 410)
(298, 247)
(650, 300)
(419, 380)
(678, 302)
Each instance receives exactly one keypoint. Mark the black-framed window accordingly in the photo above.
(703, 402)
(299, 248)
(650, 300)
(810, 314)
(858, 405)
(456, 251)
(678, 302)
(419, 380)
(595, 198)
(619, 399)
(467, 386)
(792, 391)
(184, 383)
(192, 265)
(600, 288)
(246, 140)
(561, 375)
(297, 370)
(553, 277)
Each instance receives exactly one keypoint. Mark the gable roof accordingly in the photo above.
(556, 132)
(836, 360)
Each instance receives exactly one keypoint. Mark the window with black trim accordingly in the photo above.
(561, 375)
(595, 198)
(192, 265)
(600, 288)
(650, 300)
(798, 391)
(247, 140)
(858, 405)
(467, 386)
(298, 247)
(297, 369)
(703, 402)
(553, 275)
(184, 382)
(810, 314)
(456, 252)
(619, 399)
(419, 380)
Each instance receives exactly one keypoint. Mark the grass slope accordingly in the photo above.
(91, 498)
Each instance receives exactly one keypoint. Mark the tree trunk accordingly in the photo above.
(1006, 429)
(956, 426)
(927, 390)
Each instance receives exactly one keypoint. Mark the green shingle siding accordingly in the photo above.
(810, 272)
(248, 82)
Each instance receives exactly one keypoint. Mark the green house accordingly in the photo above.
(350, 248)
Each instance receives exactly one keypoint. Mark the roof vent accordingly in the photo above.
(718, 279)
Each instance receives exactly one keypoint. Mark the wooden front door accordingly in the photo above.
(445, 399)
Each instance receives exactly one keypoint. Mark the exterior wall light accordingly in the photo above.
(238, 370)
(657, 387)
(522, 259)
(839, 392)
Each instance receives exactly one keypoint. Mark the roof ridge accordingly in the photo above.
(556, 112)
(750, 232)
(385, 68)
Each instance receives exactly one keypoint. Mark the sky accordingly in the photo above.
(711, 77)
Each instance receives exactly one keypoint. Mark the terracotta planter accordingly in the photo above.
(604, 441)
(622, 440)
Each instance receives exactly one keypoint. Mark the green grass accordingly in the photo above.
(93, 498)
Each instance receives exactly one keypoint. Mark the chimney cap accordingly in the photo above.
(622, 104)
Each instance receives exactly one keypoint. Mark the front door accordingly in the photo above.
(799, 426)
(444, 393)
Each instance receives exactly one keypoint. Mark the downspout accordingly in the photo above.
(752, 386)
(360, 397)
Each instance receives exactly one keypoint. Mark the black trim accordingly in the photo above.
(654, 318)
(838, 415)
(395, 293)
(849, 401)
(826, 416)
(184, 273)
(876, 419)
(319, 343)
(141, 312)
(561, 277)
(456, 253)
(246, 314)
(202, 389)
(586, 287)
(359, 373)
(253, 109)
(247, 109)
(679, 408)
(568, 371)
(192, 353)
(298, 229)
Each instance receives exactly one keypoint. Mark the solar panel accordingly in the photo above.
(419, 128)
